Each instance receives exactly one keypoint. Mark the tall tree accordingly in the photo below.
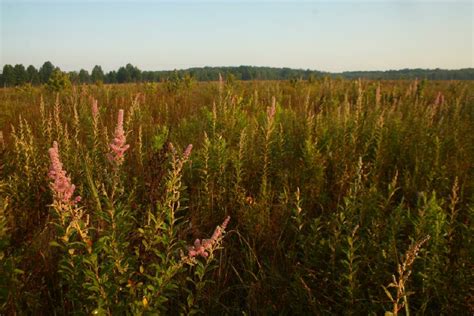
(21, 76)
(45, 71)
(84, 76)
(33, 75)
(135, 73)
(111, 77)
(74, 77)
(8, 76)
(123, 75)
(97, 74)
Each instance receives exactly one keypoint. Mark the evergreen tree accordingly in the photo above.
(8, 76)
(84, 76)
(45, 71)
(74, 77)
(33, 75)
(97, 74)
(123, 75)
(135, 73)
(111, 77)
(21, 76)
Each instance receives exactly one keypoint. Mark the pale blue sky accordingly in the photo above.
(321, 35)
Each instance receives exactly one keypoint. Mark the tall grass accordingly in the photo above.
(327, 184)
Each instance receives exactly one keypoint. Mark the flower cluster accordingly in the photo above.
(202, 248)
(61, 185)
(118, 145)
(187, 152)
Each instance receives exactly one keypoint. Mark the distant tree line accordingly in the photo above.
(430, 74)
(19, 75)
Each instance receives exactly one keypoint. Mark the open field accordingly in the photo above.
(344, 197)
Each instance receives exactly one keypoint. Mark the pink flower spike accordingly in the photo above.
(95, 109)
(204, 247)
(439, 99)
(118, 145)
(197, 243)
(62, 187)
(271, 110)
(187, 151)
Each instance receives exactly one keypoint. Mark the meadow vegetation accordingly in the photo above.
(327, 196)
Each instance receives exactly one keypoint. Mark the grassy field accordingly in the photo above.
(344, 197)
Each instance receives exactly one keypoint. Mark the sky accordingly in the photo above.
(157, 35)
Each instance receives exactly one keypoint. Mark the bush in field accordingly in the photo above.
(58, 81)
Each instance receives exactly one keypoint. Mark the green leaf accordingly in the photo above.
(388, 293)
(54, 244)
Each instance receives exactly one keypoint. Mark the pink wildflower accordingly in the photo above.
(271, 110)
(439, 99)
(202, 248)
(61, 185)
(118, 145)
(219, 229)
(95, 109)
(187, 151)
